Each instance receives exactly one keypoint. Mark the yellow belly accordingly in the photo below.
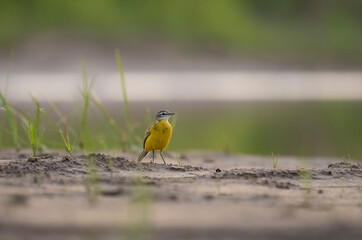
(159, 137)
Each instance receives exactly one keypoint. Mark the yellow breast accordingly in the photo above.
(160, 135)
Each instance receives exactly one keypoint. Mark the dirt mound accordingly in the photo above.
(21, 165)
(345, 165)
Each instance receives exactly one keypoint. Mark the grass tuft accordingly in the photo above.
(34, 127)
(12, 122)
(275, 160)
(69, 146)
(33, 131)
(347, 162)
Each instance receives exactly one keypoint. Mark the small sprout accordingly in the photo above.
(66, 140)
(275, 160)
(33, 131)
(33, 126)
(178, 160)
(347, 162)
(345, 159)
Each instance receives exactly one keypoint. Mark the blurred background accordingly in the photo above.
(250, 77)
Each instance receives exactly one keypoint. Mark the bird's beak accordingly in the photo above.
(171, 113)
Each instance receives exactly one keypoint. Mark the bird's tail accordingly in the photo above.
(142, 156)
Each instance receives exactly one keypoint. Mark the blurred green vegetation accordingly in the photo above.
(330, 28)
(303, 28)
(285, 128)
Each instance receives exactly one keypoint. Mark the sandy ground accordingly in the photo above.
(210, 196)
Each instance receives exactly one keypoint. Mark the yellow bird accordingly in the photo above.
(157, 136)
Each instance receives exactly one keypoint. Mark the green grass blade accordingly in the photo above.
(12, 123)
(116, 137)
(8, 72)
(86, 94)
(32, 135)
(33, 130)
(178, 160)
(37, 114)
(1, 133)
(125, 98)
(67, 143)
(85, 101)
(107, 116)
(275, 160)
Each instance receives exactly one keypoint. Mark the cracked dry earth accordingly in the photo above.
(210, 196)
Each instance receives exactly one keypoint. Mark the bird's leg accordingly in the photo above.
(153, 156)
(162, 157)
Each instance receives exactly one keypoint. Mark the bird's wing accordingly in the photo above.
(147, 134)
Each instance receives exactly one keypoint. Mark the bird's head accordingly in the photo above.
(163, 114)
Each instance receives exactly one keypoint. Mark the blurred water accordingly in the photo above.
(191, 86)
